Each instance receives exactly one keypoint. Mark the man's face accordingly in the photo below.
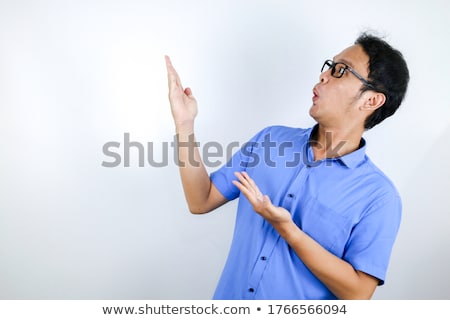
(336, 100)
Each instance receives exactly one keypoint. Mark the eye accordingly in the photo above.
(341, 70)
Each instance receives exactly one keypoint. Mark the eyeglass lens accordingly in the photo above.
(337, 69)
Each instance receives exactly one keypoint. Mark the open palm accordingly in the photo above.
(182, 102)
(260, 203)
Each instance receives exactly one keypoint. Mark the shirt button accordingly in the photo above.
(263, 258)
(290, 195)
(251, 290)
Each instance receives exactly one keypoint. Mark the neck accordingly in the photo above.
(330, 142)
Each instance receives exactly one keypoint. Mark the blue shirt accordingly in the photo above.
(346, 204)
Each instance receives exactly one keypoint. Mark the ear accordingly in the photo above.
(373, 101)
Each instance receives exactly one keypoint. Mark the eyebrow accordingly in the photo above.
(345, 61)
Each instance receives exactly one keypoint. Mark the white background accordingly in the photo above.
(77, 74)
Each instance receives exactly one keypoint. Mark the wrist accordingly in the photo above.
(184, 128)
(286, 229)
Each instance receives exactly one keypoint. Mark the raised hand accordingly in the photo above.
(182, 102)
(260, 203)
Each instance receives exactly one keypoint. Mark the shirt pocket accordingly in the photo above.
(328, 227)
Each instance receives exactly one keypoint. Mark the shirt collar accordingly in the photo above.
(353, 159)
(350, 160)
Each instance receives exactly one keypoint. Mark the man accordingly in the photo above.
(316, 218)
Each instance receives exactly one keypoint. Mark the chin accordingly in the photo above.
(313, 111)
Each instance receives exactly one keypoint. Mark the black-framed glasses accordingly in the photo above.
(338, 70)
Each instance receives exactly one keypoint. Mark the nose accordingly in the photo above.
(324, 76)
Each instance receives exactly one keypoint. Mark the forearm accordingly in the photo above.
(338, 275)
(194, 177)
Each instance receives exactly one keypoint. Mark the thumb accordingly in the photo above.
(188, 92)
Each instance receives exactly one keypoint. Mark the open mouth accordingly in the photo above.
(315, 95)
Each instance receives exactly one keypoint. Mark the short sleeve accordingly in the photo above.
(242, 159)
(370, 244)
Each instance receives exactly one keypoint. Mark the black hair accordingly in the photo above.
(388, 73)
